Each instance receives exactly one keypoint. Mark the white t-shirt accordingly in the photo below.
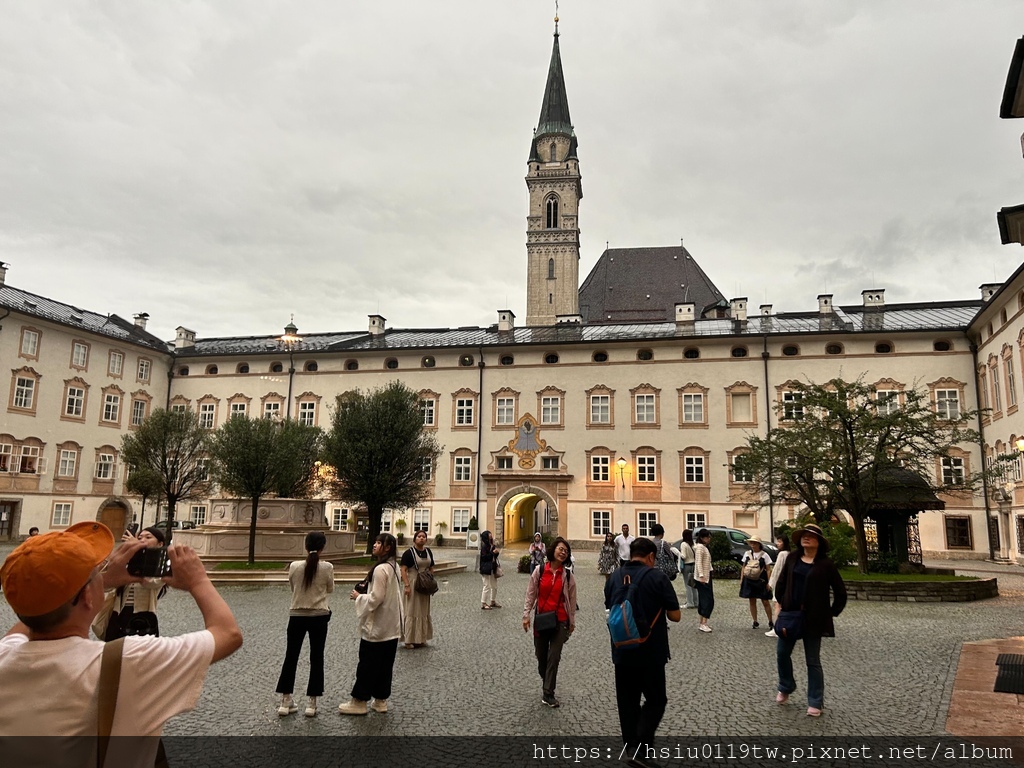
(50, 687)
(622, 544)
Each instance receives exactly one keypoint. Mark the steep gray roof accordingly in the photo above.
(111, 326)
(644, 285)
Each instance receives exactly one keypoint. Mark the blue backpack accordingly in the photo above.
(628, 627)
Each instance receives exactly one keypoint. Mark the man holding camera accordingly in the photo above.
(55, 584)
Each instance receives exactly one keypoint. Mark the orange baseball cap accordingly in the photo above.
(46, 571)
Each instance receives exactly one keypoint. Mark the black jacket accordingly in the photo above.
(819, 609)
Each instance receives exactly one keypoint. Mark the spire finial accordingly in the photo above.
(556, 17)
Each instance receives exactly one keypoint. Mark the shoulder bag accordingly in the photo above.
(425, 582)
(548, 620)
(496, 569)
(790, 624)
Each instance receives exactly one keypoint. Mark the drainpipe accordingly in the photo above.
(768, 425)
(170, 378)
(479, 445)
(981, 448)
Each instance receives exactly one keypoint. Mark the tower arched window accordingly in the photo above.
(551, 213)
(553, 157)
(551, 269)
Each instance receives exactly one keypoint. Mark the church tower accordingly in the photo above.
(552, 227)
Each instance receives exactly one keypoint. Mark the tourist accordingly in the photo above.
(782, 544)
(489, 571)
(702, 579)
(311, 581)
(379, 611)
(622, 541)
(804, 585)
(538, 552)
(686, 567)
(33, 531)
(755, 569)
(131, 609)
(552, 590)
(608, 558)
(418, 626)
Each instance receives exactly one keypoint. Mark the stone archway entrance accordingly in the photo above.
(523, 511)
(115, 513)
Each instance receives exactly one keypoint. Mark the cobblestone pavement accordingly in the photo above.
(890, 671)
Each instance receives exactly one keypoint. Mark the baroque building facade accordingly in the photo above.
(587, 418)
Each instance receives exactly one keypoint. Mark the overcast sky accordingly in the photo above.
(224, 165)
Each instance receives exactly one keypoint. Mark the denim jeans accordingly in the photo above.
(691, 592)
(815, 674)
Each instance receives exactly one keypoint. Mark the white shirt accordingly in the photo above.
(623, 542)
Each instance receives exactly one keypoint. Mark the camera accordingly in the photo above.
(362, 587)
(150, 563)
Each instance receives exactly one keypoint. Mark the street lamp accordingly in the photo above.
(621, 464)
(290, 339)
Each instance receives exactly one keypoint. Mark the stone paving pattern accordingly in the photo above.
(890, 671)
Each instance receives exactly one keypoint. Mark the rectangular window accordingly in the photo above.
(421, 520)
(792, 406)
(464, 411)
(111, 407)
(427, 409)
(551, 410)
(68, 463)
(271, 410)
(239, 409)
(178, 408)
(600, 409)
(695, 520)
(385, 521)
(504, 462)
(426, 469)
(80, 355)
(549, 462)
(307, 413)
(887, 401)
(116, 364)
(599, 468)
(203, 469)
(645, 409)
(1011, 383)
(463, 469)
(693, 408)
(997, 399)
(105, 466)
(740, 471)
(460, 520)
(947, 403)
(6, 452)
(142, 373)
(645, 521)
(693, 469)
(24, 392)
(61, 514)
(646, 469)
(958, 533)
(207, 411)
(29, 343)
(952, 470)
(138, 412)
(505, 411)
(339, 519)
(29, 464)
(197, 514)
(742, 409)
(600, 522)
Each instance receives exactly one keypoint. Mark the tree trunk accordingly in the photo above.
(252, 529)
(375, 515)
(171, 504)
(862, 543)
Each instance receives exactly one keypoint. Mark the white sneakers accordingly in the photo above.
(704, 628)
(771, 633)
(379, 705)
(353, 707)
(311, 706)
(288, 705)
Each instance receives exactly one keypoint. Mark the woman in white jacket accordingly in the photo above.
(379, 610)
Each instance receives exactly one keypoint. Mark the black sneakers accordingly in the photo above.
(550, 700)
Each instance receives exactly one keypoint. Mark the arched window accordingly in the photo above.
(551, 269)
(553, 156)
(551, 213)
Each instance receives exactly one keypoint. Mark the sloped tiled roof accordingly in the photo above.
(111, 326)
(644, 285)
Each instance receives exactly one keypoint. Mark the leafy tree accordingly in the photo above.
(255, 457)
(837, 441)
(146, 483)
(171, 446)
(378, 448)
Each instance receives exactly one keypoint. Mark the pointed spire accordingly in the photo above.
(554, 110)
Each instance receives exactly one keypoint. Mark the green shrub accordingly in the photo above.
(725, 569)
(884, 563)
(524, 564)
(720, 547)
(842, 543)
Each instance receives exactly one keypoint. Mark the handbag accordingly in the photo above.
(425, 582)
(496, 569)
(790, 625)
(547, 620)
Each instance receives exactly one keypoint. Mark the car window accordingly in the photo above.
(738, 536)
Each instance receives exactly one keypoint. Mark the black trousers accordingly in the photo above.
(298, 627)
(633, 679)
(548, 647)
(374, 670)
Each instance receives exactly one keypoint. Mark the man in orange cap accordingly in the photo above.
(55, 584)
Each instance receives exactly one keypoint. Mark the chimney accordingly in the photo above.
(738, 309)
(568, 319)
(3, 273)
(873, 298)
(825, 304)
(506, 320)
(766, 310)
(988, 290)
(685, 313)
(185, 339)
(377, 325)
(140, 320)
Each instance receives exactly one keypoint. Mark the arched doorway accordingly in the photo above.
(525, 510)
(115, 513)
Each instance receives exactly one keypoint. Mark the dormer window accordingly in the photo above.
(551, 212)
